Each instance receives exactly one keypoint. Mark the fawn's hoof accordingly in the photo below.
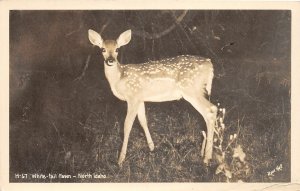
(206, 160)
(121, 159)
(151, 146)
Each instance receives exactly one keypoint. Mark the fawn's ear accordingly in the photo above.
(124, 38)
(95, 38)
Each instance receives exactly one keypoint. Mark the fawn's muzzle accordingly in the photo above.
(109, 61)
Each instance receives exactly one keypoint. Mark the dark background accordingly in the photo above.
(65, 119)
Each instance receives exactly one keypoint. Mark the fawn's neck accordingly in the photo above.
(113, 74)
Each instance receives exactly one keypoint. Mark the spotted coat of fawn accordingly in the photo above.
(185, 76)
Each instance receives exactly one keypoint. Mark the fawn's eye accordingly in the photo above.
(117, 50)
(103, 50)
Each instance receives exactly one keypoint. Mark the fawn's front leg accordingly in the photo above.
(143, 121)
(132, 109)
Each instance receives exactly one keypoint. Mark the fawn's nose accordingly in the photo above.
(110, 60)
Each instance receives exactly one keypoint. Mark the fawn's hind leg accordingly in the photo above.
(209, 112)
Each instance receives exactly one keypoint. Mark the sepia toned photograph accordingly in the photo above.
(149, 96)
(131, 95)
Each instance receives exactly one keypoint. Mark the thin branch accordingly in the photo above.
(104, 26)
(157, 35)
(59, 137)
(84, 69)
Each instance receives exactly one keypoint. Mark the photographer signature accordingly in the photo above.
(277, 169)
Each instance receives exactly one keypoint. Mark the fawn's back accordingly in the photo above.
(165, 80)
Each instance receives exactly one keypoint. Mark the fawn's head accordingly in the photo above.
(109, 48)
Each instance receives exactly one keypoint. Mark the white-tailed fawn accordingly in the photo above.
(188, 77)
